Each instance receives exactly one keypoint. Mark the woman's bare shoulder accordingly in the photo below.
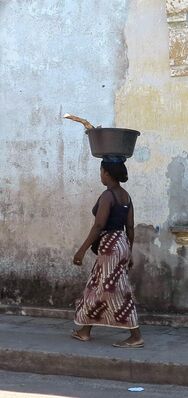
(124, 190)
(126, 195)
(106, 196)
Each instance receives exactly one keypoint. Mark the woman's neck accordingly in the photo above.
(113, 185)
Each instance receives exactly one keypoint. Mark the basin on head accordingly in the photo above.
(112, 141)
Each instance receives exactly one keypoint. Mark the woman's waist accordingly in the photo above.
(112, 240)
(113, 233)
(112, 230)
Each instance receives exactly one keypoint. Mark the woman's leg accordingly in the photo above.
(85, 331)
(135, 335)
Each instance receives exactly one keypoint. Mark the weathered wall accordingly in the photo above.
(56, 57)
(156, 103)
(108, 62)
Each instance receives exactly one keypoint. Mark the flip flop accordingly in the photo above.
(75, 335)
(128, 345)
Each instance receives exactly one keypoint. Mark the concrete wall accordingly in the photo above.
(107, 62)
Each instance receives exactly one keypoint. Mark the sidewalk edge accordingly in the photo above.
(93, 367)
(174, 320)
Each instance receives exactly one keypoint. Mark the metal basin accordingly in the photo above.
(112, 141)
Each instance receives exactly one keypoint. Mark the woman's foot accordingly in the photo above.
(130, 343)
(83, 334)
(134, 341)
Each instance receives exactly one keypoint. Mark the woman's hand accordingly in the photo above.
(78, 258)
(100, 221)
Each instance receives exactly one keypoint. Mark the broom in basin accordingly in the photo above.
(86, 124)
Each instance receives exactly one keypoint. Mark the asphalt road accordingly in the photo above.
(26, 385)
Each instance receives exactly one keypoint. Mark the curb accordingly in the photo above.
(93, 367)
(173, 320)
(37, 312)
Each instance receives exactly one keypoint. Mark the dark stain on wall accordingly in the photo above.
(159, 278)
(33, 278)
(178, 190)
(38, 291)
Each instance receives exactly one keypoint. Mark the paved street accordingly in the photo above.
(27, 385)
(44, 346)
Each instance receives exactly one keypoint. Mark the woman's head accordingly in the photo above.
(114, 171)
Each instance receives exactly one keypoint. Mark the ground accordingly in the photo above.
(24, 385)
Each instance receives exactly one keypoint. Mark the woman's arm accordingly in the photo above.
(130, 225)
(101, 218)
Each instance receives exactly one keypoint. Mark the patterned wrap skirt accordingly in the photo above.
(107, 299)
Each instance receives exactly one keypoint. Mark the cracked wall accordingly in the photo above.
(108, 62)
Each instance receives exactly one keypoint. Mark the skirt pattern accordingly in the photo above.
(107, 299)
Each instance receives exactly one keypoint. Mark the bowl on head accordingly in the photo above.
(112, 141)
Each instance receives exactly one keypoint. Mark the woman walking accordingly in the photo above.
(107, 299)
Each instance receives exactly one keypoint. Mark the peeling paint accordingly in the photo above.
(157, 242)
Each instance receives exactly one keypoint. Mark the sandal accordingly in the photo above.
(129, 345)
(75, 335)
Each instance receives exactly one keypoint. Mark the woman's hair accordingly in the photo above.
(117, 171)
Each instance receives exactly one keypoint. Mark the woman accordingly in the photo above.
(107, 298)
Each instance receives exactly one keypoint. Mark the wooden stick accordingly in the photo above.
(86, 124)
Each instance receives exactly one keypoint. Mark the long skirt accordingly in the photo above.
(107, 299)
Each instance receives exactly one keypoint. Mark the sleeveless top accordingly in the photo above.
(118, 214)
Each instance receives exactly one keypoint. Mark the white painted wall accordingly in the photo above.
(106, 61)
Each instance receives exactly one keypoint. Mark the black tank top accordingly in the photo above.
(118, 214)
